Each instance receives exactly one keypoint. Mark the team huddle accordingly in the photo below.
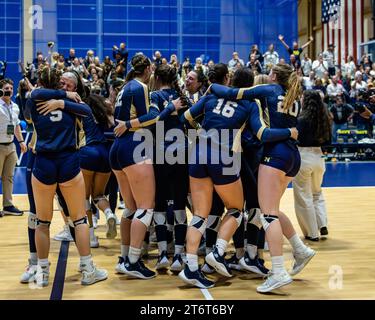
(232, 183)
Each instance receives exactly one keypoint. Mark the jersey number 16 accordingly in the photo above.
(228, 110)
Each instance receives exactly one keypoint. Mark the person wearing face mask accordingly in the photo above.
(9, 128)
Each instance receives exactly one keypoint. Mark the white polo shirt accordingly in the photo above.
(8, 115)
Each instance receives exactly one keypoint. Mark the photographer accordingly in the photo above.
(121, 56)
(9, 127)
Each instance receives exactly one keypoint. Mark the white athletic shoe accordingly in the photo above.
(301, 260)
(111, 226)
(42, 276)
(94, 276)
(177, 263)
(94, 242)
(94, 221)
(29, 274)
(118, 220)
(64, 235)
(163, 262)
(275, 281)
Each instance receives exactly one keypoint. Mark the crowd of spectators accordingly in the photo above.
(344, 87)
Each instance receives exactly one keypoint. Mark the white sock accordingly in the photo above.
(221, 245)
(134, 254)
(86, 263)
(192, 261)
(92, 233)
(44, 263)
(252, 250)
(108, 212)
(33, 258)
(277, 264)
(240, 252)
(178, 249)
(124, 250)
(297, 244)
(162, 245)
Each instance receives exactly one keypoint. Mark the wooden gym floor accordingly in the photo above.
(342, 268)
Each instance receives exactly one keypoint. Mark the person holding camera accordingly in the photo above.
(9, 127)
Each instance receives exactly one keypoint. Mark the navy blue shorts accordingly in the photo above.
(209, 165)
(124, 151)
(95, 158)
(283, 156)
(51, 168)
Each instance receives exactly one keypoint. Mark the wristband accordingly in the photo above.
(21, 141)
(128, 124)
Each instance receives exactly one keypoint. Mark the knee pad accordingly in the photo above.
(99, 198)
(80, 221)
(267, 219)
(43, 223)
(32, 221)
(145, 216)
(128, 214)
(160, 218)
(88, 205)
(199, 223)
(236, 214)
(213, 223)
(254, 217)
(180, 217)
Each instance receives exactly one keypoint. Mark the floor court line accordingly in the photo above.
(207, 294)
(58, 283)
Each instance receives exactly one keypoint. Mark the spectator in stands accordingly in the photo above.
(309, 82)
(211, 64)
(9, 128)
(326, 79)
(296, 50)
(164, 61)
(3, 67)
(200, 66)
(319, 86)
(121, 56)
(257, 54)
(296, 64)
(306, 65)
(366, 62)
(157, 58)
(340, 113)
(320, 66)
(79, 66)
(334, 89)
(350, 68)
(357, 85)
(271, 58)
(232, 64)
(254, 65)
(367, 114)
(329, 57)
(69, 60)
(89, 59)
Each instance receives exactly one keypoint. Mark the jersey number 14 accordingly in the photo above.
(228, 109)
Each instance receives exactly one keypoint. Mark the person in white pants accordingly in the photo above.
(314, 132)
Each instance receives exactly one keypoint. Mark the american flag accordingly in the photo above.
(342, 26)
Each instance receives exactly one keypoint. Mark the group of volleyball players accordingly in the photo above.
(71, 156)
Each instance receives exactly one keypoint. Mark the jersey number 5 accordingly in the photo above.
(56, 116)
(228, 110)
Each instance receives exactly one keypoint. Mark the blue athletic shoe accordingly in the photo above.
(12, 211)
(215, 260)
(195, 278)
(253, 265)
(138, 270)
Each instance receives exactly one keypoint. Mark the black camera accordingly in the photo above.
(365, 95)
(360, 108)
(4, 93)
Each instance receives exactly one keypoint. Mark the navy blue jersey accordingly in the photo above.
(161, 99)
(133, 102)
(93, 132)
(56, 131)
(225, 114)
(270, 95)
